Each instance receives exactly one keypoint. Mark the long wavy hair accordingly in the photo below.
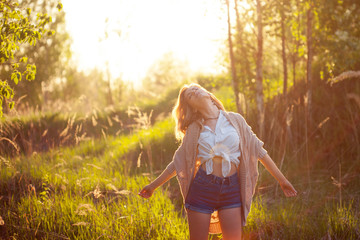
(184, 114)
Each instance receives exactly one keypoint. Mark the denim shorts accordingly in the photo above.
(208, 193)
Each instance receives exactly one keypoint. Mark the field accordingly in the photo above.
(88, 190)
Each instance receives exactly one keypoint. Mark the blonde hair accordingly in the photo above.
(184, 114)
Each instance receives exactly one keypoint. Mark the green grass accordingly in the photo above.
(85, 193)
(106, 214)
(90, 192)
(313, 214)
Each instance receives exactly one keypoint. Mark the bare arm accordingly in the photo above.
(165, 176)
(286, 186)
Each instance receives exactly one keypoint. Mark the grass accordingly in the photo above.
(32, 130)
(307, 217)
(105, 214)
(85, 193)
(89, 190)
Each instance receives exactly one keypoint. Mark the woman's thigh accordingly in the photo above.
(198, 225)
(230, 221)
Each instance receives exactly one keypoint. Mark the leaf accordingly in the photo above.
(14, 77)
(37, 35)
(59, 6)
(18, 76)
(50, 33)
(24, 59)
(11, 105)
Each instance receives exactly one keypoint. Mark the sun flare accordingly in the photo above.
(130, 35)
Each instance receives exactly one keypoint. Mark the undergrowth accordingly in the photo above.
(89, 190)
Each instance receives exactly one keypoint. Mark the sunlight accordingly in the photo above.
(104, 155)
(139, 32)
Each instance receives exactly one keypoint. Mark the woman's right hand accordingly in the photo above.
(147, 191)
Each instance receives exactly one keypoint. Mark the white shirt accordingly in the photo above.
(223, 142)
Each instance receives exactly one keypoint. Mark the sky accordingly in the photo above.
(141, 31)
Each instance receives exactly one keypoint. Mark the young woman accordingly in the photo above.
(216, 165)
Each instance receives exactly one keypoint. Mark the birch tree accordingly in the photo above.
(259, 70)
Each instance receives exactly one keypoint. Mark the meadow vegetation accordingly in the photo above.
(88, 189)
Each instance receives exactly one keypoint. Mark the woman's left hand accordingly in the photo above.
(288, 189)
(147, 191)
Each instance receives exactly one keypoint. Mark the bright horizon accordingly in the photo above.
(194, 31)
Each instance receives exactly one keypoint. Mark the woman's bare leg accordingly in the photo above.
(198, 225)
(230, 222)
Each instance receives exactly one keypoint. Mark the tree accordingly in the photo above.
(280, 11)
(336, 36)
(259, 69)
(283, 42)
(105, 38)
(50, 55)
(90, 85)
(235, 81)
(309, 45)
(297, 38)
(242, 51)
(164, 72)
(18, 28)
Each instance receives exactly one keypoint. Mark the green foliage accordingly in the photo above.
(335, 34)
(50, 55)
(257, 215)
(18, 27)
(5, 92)
(59, 6)
(213, 82)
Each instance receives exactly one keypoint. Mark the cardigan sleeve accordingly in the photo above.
(171, 168)
(261, 152)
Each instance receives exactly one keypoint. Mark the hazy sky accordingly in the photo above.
(141, 31)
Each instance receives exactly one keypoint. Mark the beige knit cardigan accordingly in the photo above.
(186, 164)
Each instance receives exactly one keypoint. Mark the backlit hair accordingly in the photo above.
(184, 114)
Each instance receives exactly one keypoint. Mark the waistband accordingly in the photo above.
(233, 179)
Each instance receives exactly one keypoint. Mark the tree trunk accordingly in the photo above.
(235, 81)
(308, 104)
(294, 69)
(309, 63)
(245, 65)
(259, 70)
(283, 39)
(297, 43)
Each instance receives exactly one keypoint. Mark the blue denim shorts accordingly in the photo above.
(208, 193)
